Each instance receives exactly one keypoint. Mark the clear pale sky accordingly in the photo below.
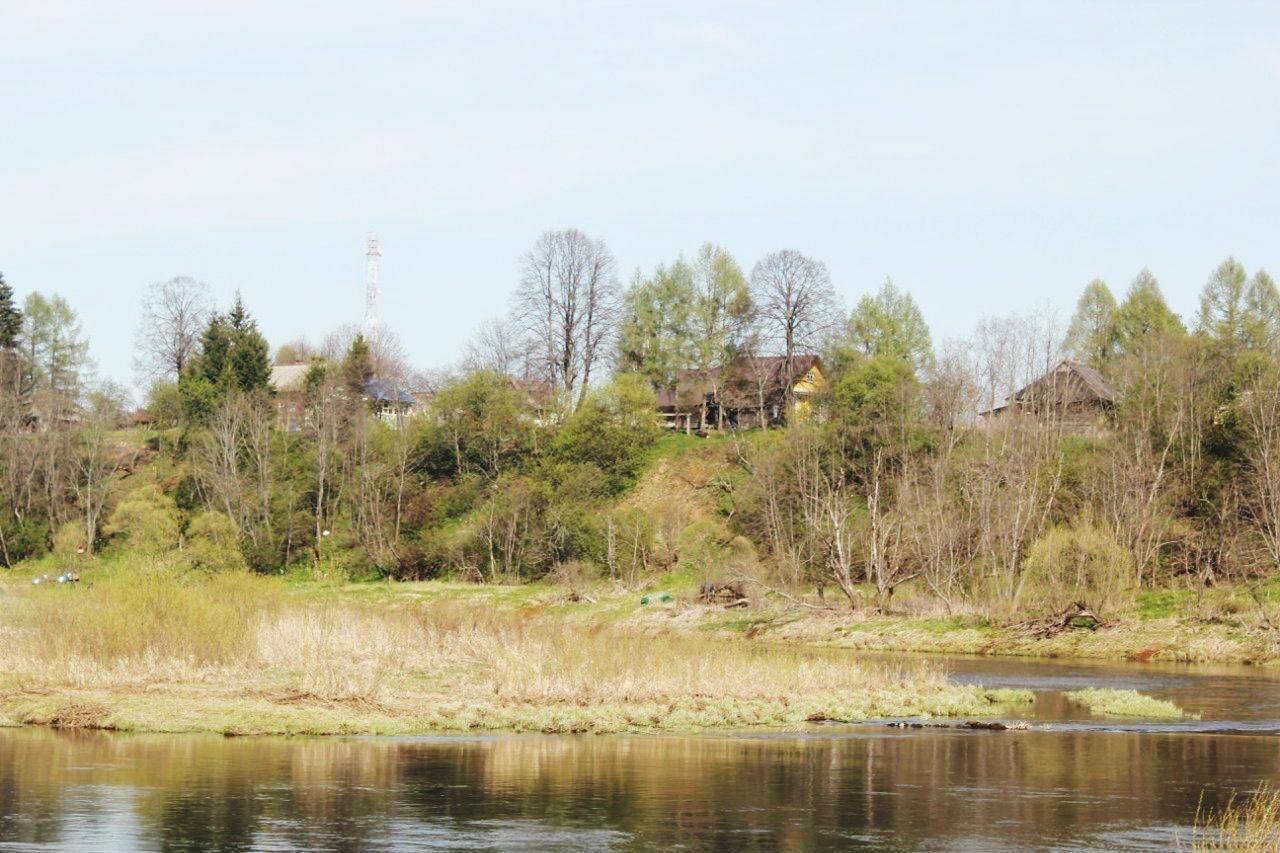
(990, 157)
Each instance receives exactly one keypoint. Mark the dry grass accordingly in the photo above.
(257, 660)
(1251, 825)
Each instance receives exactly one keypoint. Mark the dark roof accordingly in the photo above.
(381, 392)
(693, 383)
(772, 367)
(1069, 383)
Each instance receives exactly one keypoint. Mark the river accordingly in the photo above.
(1073, 782)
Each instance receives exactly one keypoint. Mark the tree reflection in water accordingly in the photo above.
(796, 791)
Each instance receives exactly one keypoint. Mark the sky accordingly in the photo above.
(991, 158)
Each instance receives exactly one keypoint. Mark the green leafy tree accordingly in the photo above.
(889, 323)
(1222, 303)
(1262, 313)
(722, 311)
(611, 430)
(1144, 314)
(656, 337)
(483, 421)
(1092, 335)
(164, 402)
(55, 349)
(875, 408)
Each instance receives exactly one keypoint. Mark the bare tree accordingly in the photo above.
(390, 362)
(567, 307)
(495, 346)
(1261, 409)
(96, 457)
(1013, 478)
(174, 314)
(297, 351)
(795, 303)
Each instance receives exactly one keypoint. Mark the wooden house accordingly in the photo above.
(289, 382)
(1071, 396)
(748, 392)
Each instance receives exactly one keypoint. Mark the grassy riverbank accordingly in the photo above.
(244, 655)
(137, 648)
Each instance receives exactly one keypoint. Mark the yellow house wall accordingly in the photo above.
(804, 388)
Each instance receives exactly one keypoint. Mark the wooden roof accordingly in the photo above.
(1070, 383)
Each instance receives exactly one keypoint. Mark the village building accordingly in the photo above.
(389, 403)
(1072, 396)
(748, 392)
(289, 381)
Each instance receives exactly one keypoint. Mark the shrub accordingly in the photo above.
(611, 430)
(575, 575)
(68, 540)
(712, 553)
(1079, 562)
(144, 613)
(147, 520)
(213, 544)
(25, 537)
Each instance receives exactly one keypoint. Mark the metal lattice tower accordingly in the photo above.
(371, 293)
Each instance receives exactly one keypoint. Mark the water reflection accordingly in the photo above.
(863, 786)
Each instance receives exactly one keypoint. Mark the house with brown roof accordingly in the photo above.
(289, 381)
(1071, 396)
(748, 392)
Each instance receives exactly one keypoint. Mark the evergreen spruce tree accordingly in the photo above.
(10, 317)
(357, 367)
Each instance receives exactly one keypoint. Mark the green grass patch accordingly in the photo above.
(953, 623)
(1126, 703)
(1162, 603)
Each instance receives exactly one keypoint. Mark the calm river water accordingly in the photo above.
(1072, 783)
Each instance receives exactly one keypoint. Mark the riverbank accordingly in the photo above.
(1218, 625)
(246, 655)
(236, 654)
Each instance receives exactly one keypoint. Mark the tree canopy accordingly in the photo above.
(889, 323)
(1093, 333)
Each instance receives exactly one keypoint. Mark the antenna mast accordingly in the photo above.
(371, 293)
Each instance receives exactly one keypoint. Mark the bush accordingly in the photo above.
(68, 540)
(575, 575)
(25, 537)
(611, 430)
(1080, 562)
(712, 553)
(147, 520)
(165, 403)
(213, 544)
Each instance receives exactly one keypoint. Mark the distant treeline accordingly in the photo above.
(518, 463)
